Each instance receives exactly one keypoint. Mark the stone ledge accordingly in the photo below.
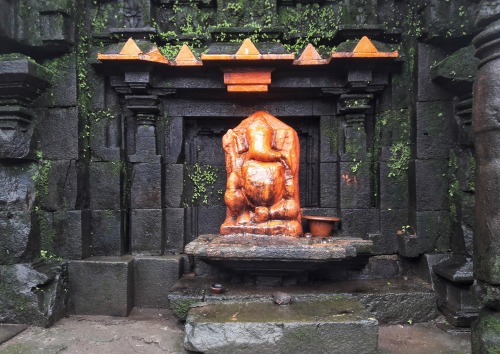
(262, 247)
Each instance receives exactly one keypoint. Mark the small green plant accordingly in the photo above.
(407, 230)
(41, 175)
(101, 114)
(399, 159)
(44, 254)
(203, 179)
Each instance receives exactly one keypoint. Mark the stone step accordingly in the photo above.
(113, 285)
(397, 300)
(335, 325)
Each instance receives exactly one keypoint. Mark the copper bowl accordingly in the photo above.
(321, 226)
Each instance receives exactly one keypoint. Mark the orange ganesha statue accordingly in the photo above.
(262, 191)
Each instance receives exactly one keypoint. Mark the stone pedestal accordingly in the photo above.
(456, 298)
(275, 255)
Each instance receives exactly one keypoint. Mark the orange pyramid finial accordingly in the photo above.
(130, 48)
(365, 46)
(185, 57)
(310, 56)
(156, 56)
(247, 48)
(364, 49)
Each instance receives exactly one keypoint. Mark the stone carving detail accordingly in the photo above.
(133, 13)
(22, 82)
(262, 163)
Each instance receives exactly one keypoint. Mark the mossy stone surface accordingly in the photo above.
(325, 326)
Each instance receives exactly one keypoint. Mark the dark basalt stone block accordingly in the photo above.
(62, 93)
(104, 185)
(146, 232)
(18, 187)
(329, 179)
(108, 281)
(431, 184)
(174, 185)
(107, 232)
(456, 72)
(174, 229)
(153, 278)
(355, 185)
(394, 193)
(71, 234)
(173, 136)
(328, 139)
(56, 29)
(105, 136)
(352, 226)
(58, 123)
(145, 186)
(62, 186)
(391, 220)
(210, 218)
(427, 56)
(15, 228)
(434, 129)
(433, 231)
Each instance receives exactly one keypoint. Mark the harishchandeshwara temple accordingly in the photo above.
(152, 149)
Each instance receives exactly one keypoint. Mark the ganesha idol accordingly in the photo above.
(262, 192)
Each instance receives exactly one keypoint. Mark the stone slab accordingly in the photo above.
(276, 248)
(8, 331)
(101, 286)
(326, 326)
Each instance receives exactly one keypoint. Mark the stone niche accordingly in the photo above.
(203, 151)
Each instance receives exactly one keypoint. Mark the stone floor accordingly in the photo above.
(157, 331)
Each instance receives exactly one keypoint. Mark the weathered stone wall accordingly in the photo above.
(117, 160)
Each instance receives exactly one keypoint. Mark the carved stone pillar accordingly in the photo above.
(22, 81)
(355, 182)
(145, 110)
(486, 115)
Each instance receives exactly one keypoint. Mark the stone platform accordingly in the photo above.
(394, 301)
(337, 325)
(282, 253)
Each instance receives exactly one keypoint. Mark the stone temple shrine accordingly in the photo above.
(200, 155)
